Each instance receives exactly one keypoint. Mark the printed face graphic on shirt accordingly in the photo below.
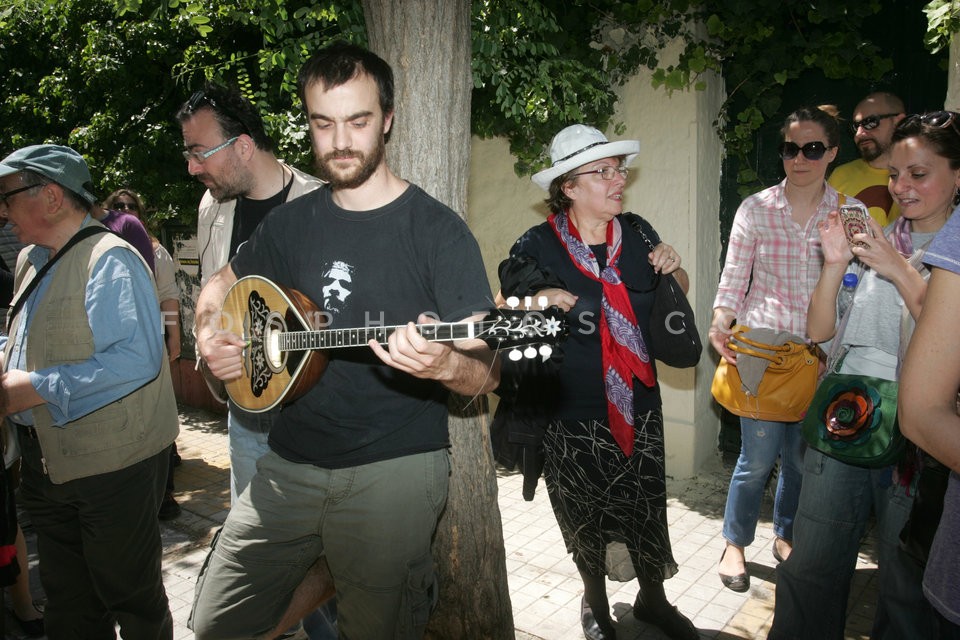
(337, 281)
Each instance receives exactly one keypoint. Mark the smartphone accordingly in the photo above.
(854, 218)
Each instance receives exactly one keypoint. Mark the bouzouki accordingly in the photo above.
(286, 346)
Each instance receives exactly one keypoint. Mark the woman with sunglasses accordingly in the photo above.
(772, 265)
(128, 202)
(603, 445)
(837, 498)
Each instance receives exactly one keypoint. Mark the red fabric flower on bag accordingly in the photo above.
(851, 413)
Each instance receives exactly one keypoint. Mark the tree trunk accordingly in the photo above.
(427, 42)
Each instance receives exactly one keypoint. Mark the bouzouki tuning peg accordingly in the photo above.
(530, 353)
(542, 301)
(545, 351)
(514, 354)
(513, 301)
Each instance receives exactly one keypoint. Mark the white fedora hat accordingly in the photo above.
(578, 145)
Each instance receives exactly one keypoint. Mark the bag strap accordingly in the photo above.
(778, 348)
(634, 221)
(733, 346)
(82, 234)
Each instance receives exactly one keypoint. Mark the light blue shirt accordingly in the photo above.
(125, 319)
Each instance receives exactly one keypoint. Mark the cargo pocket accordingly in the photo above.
(419, 598)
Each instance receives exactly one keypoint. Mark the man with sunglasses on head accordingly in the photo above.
(865, 178)
(228, 150)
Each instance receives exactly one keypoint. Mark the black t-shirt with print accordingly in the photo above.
(384, 266)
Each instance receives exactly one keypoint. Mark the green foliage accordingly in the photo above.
(107, 76)
(943, 20)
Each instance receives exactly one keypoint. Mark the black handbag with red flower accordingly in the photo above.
(853, 418)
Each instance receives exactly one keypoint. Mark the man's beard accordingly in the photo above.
(235, 183)
(871, 152)
(354, 177)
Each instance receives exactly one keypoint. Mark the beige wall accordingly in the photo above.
(675, 185)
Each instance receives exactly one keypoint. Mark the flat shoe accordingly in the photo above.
(668, 618)
(31, 628)
(776, 552)
(594, 629)
(739, 582)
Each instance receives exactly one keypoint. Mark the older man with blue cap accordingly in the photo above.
(91, 399)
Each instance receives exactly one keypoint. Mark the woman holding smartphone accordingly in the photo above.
(837, 498)
(772, 266)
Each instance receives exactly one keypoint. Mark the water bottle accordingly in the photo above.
(845, 296)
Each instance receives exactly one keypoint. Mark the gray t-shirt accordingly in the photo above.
(941, 581)
(872, 331)
(365, 268)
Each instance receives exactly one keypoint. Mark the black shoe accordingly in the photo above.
(594, 629)
(776, 552)
(31, 628)
(169, 509)
(664, 615)
(739, 582)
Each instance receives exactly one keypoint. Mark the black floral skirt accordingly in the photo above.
(612, 509)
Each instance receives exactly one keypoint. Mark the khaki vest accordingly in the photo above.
(123, 432)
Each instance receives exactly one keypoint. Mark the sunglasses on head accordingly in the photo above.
(870, 122)
(199, 99)
(811, 150)
(937, 119)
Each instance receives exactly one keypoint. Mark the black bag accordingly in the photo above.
(674, 339)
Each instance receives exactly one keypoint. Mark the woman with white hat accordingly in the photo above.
(603, 449)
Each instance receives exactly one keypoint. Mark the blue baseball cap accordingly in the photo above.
(61, 164)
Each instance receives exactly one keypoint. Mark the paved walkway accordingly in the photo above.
(544, 586)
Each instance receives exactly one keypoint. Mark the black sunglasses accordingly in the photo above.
(870, 122)
(937, 119)
(811, 150)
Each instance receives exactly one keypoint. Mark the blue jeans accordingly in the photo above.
(813, 584)
(762, 442)
(247, 434)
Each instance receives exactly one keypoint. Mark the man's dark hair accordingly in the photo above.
(235, 114)
(340, 62)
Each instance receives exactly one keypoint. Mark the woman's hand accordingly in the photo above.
(878, 254)
(720, 331)
(664, 258)
(833, 240)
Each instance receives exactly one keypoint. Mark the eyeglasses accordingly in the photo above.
(870, 122)
(119, 205)
(201, 156)
(811, 150)
(606, 172)
(5, 196)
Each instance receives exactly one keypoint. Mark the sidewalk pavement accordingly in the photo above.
(545, 588)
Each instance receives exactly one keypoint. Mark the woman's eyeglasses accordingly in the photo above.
(120, 205)
(811, 150)
(607, 173)
(870, 122)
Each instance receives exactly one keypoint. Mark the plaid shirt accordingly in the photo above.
(783, 259)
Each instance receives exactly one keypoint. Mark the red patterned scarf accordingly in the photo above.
(624, 353)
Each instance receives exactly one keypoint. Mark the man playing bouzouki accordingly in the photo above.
(358, 469)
